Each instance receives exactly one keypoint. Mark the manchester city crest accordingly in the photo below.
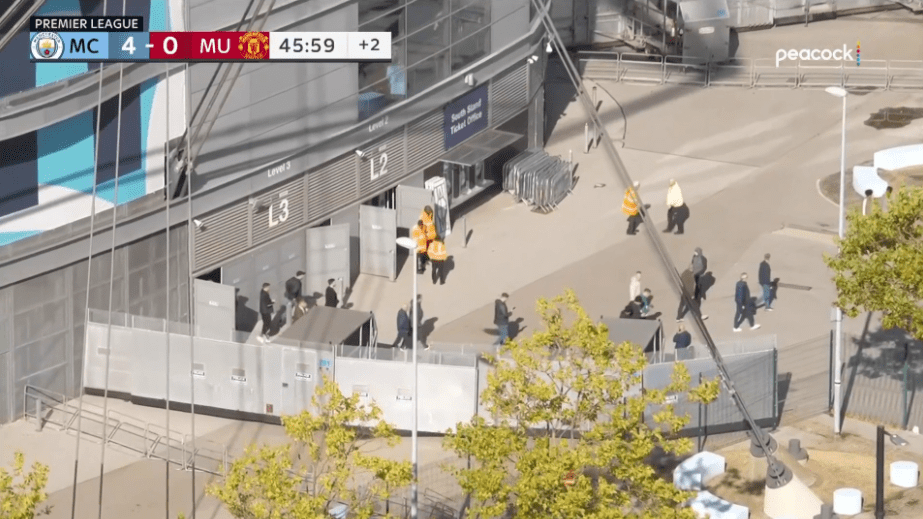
(47, 45)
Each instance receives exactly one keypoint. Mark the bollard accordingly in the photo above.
(38, 415)
(465, 232)
(570, 156)
(586, 138)
(594, 99)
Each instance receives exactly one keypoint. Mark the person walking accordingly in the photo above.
(688, 280)
(437, 256)
(404, 329)
(645, 302)
(301, 308)
(293, 288)
(699, 266)
(330, 296)
(630, 207)
(266, 302)
(418, 233)
(634, 287)
(744, 308)
(766, 282)
(502, 319)
(677, 211)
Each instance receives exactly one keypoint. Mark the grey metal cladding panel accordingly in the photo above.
(39, 290)
(332, 187)
(508, 95)
(293, 194)
(223, 235)
(38, 322)
(425, 141)
(144, 282)
(394, 167)
(6, 343)
(40, 355)
(6, 396)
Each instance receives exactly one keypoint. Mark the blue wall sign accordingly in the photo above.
(465, 116)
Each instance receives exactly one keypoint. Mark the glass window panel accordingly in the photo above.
(468, 21)
(392, 22)
(374, 73)
(427, 73)
(470, 49)
(428, 41)
(483, 5)
(371, 9)
(425, 12)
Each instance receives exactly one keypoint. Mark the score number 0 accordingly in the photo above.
(169, 45)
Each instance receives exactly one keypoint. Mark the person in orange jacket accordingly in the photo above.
(429, 224)
(437, 256)
(418, 233)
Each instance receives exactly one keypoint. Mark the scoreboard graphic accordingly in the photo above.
(117, 39)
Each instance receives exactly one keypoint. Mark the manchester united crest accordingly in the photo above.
(254, 45)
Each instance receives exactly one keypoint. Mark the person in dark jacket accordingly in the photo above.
(330, 297)
(699, 266)
(744, 308)
(404, 329)
(502, 318)
(766, 282)
(632, 310)
(688, 280)
(293, 290)
(682, 339)
(301, 308)
(266, 303)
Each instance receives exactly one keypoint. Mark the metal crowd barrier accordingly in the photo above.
(149, 440)
(632, 67)
(538, 178)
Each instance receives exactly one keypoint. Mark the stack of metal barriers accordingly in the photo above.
(538, 179)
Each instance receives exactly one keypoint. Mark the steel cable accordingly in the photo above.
(622, 172)
(166, 322)
(115, 205)
(86, 321)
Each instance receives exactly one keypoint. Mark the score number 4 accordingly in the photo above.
(382, 166)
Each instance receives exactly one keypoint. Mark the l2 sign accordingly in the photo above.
(465, 116)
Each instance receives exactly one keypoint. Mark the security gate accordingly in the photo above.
(328, 257)
(377, 247)
(410, 203)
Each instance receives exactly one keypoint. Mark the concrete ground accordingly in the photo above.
(748, 162)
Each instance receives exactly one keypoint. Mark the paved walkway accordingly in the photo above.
(748, 163)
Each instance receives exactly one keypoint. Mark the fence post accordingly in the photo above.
(38, 415)
(701, 425)
(906, 412)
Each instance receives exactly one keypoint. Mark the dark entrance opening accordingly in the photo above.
(213, 276)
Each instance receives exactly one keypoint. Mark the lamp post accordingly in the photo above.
(880, 468)
(411, 246)
(837, 380)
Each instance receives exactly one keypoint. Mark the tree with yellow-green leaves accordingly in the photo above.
(325, 465)
(568, 436)
(19, 500)
(880, 264)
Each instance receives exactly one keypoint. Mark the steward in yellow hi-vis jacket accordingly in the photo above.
(631, 208)
(419, 237)
(438, 256)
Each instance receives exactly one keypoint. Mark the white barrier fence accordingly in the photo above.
(750, 72)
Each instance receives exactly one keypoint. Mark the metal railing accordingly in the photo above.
(632, 67)
(149, 440)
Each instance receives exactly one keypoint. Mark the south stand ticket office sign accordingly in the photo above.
(465, 116)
